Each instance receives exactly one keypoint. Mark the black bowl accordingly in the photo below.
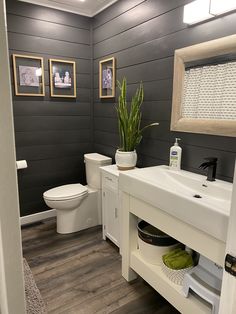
(154, 236)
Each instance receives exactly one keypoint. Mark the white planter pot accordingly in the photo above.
(125, 160)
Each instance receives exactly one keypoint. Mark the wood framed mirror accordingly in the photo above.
(204, 88)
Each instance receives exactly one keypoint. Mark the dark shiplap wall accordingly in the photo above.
(51, 134)
(143, 36)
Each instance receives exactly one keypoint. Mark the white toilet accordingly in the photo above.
(78, 206)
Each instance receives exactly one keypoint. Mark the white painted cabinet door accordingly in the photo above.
(111, 211)
(228, 293)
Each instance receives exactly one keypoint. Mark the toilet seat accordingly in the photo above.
(66, 192)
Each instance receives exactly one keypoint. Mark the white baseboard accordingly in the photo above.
(37, 217)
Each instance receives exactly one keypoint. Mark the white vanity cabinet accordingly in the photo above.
(110, 204)
(140, 198)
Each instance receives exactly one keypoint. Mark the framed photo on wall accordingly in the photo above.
(62, 78)
(28, 75)
(107, 78)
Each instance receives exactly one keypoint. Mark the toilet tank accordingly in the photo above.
(92, 163)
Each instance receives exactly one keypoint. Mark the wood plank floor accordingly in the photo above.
(81, 274)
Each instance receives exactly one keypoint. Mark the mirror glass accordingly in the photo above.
(204, 88)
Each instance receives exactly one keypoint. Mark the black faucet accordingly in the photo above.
(211, 164)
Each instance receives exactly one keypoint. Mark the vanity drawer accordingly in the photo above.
(109, 180)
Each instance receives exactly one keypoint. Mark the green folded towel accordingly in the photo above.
(178, 259)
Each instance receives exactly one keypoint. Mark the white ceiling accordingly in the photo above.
(86, 7)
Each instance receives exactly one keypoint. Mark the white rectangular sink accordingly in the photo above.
(185, 195)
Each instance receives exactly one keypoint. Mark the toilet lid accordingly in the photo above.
(65, 192)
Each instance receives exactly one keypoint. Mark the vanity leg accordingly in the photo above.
(128, 237)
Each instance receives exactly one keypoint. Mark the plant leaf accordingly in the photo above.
(129, 117)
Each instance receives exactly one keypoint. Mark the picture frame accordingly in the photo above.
(62, 78)
(107, 78)
(28, 74)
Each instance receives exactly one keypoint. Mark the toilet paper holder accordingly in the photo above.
(21, 164)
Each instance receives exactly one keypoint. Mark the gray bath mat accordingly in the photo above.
(34, 301)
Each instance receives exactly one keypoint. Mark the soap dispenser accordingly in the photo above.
(175, 155)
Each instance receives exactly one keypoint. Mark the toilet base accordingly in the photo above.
(83, 217)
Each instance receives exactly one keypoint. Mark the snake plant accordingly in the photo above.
(129, 118)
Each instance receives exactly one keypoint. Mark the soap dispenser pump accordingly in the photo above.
(175, 155)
